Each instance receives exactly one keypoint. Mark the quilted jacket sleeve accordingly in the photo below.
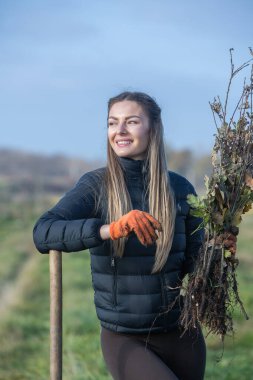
(193, 239)
(71, 224)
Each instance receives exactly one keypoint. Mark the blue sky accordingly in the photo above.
(61, 61)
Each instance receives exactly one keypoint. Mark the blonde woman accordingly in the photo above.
(133, 217)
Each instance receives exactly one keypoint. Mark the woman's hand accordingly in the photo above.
(140, 222)
(230, 243)
(228, 240)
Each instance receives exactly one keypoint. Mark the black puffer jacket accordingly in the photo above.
(128, 298)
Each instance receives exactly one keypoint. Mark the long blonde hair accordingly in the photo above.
(161, 197)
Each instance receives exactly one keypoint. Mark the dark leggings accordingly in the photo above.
(163, 356)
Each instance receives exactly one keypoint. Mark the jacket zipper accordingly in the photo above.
(144, 199)
(163, 290)
(114, 265)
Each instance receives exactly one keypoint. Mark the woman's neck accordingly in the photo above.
(133, 168)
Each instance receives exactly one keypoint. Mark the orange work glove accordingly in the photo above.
(140, 222)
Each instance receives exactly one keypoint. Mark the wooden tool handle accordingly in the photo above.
(55, 264)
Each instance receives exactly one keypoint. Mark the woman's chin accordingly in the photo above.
(121, 153)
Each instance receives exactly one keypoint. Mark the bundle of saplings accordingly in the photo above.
(212, 290)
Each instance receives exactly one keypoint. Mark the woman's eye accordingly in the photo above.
(132, 122)
(111, 124)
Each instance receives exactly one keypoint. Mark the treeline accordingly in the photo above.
(192, 166)
(23, 173)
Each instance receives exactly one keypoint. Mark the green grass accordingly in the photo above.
(24, 317)
(24, 324)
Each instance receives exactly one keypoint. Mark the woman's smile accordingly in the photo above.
(123, 143)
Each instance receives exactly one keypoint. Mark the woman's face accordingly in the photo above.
(128, 130)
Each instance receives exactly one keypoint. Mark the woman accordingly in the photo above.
(134, 218)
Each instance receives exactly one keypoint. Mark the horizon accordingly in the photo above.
(62, 61)
(20, 150)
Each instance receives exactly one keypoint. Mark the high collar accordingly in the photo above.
(133, 168)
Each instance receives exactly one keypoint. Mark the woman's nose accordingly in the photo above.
(121, 128)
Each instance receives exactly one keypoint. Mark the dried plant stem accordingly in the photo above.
(212, 290)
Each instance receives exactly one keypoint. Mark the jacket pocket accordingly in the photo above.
(170, 294)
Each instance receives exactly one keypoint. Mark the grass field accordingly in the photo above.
(24, 314)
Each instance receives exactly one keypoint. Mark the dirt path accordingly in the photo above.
(13, 291)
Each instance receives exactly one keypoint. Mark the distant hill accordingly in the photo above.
(25, 173)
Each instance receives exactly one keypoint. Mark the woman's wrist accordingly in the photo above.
(105, 232)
